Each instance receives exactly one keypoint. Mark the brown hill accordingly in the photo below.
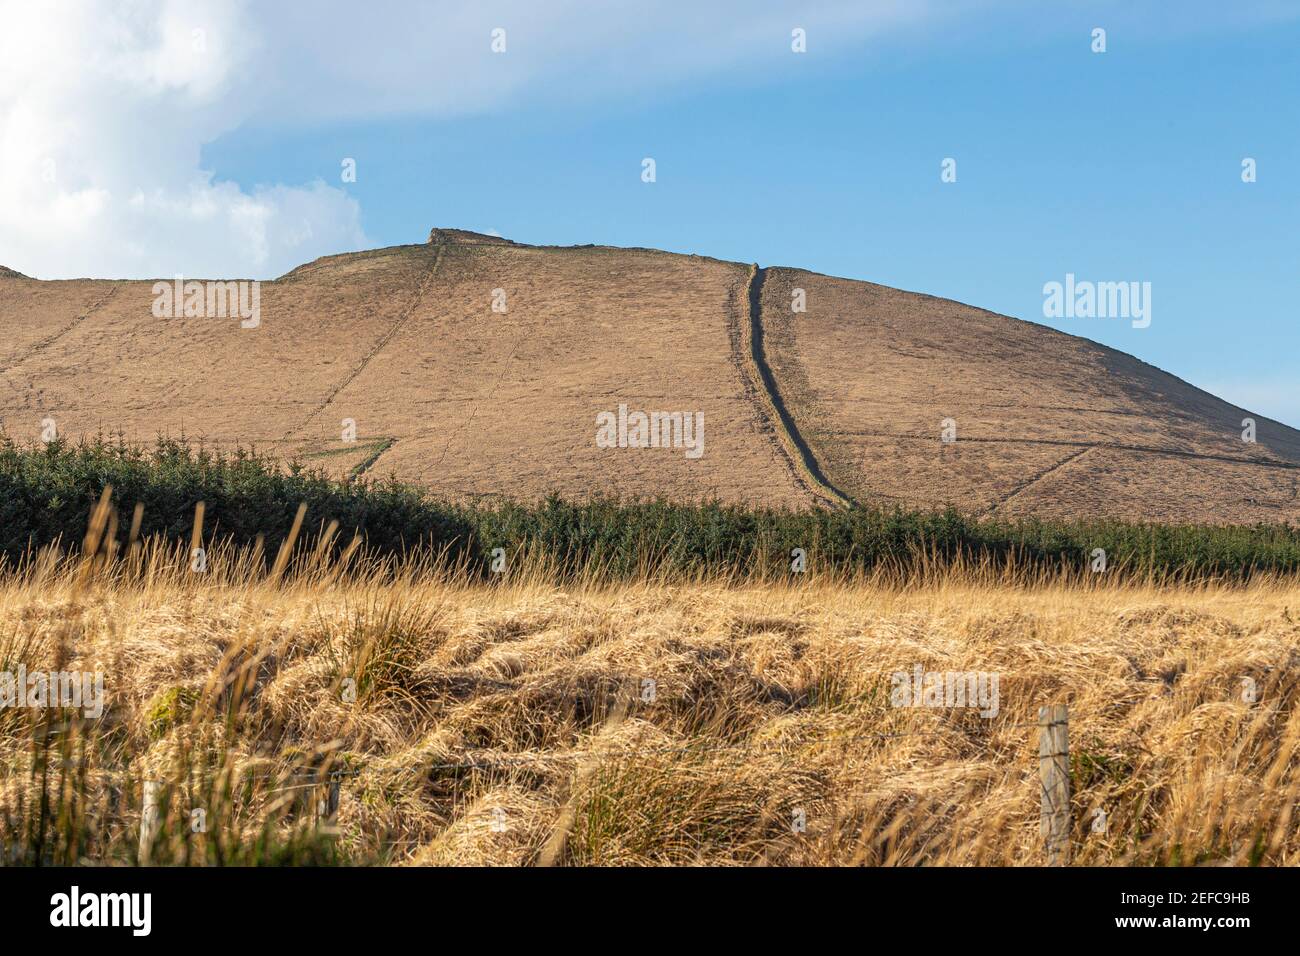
(842, 402)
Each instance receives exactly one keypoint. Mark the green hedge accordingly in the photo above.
(46, 492)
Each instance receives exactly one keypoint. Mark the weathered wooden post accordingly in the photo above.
(149, 820)
(328, 802)
(1054, 782)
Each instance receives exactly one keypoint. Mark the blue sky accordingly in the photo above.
(1115, 166)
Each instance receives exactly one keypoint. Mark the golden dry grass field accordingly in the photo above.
(514, 724)
(369, 712)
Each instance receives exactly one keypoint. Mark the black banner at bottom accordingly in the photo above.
(359, 906)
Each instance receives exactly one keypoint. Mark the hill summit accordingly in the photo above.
(483, 367)
(437, 234)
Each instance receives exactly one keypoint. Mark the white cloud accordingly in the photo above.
(105, 105)
(385, 56)
(104, 108)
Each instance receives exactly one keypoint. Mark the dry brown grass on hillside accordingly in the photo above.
(404, 344)
(505, 724)
(1047, 424)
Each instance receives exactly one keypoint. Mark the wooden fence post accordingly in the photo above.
(149, 820)
(1054, 781)
(326, 799)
